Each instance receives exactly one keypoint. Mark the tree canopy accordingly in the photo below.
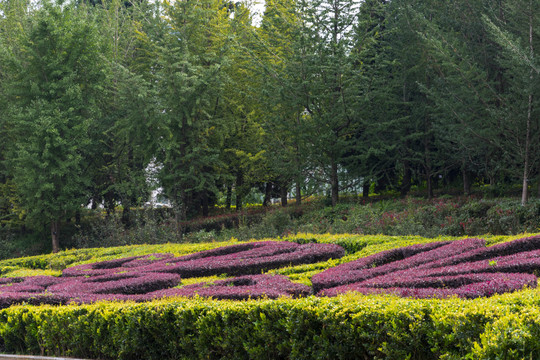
(325, 96)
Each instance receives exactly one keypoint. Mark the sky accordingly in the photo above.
(258, 9)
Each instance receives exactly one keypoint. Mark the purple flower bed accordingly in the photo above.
(240, 288)
(123, 284)
(267, 255)
(243, 259)
(146, 260)
(113, 266)
(141, 278)
(463, 268)
(483, 253)
(13, 298)
(465, 286)
(389, 261)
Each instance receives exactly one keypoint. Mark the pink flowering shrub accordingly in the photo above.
(241, 288)
(113, 266)
(140, 278)
(465, 286)
(247, 260)
(124, 284)
(387, 261)
(463, 268)
(242, 259)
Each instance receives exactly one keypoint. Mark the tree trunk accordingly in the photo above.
(365, 189)
(429, 186)
(427, 163)
(55, 235)
(334, 183)
(126, 215)
(94, 203)
(525, 190)
(204, 203)
(298, 193)
(283, 193)
(267, 194)
(179, 212)
(239, 190)
(109, 203)
(466, 182)
(228, 198)
(406, 183)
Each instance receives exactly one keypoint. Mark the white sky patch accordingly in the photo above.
(257, 9)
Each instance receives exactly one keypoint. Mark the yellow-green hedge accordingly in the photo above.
(346, 327)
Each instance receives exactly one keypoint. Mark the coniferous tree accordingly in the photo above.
(191, 59)
(55, 103)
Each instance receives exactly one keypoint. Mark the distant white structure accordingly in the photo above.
(157, 197)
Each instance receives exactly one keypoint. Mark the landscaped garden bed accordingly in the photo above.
(329, 296)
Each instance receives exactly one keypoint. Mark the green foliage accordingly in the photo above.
(54, 102)
(349, 326)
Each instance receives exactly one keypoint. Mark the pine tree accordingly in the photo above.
(517, 34)
(55, 102)
(191, 58)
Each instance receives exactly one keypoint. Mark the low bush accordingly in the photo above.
(344, 327)
(125, 278)
(240, 288)
(370, 266)
(468, 286)
(249, 258)
(439, 273)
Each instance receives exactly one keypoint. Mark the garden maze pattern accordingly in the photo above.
(463, 268)
(156, 275)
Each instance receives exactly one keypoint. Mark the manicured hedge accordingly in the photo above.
(345, 327)
(466, 286)
(391, 261)
(464, 268)
(242, 259)
(240, 288)
(350, 326)
(251, 258)
(142, 278)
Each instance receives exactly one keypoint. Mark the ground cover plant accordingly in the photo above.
(283, 322)
(464, 268)
(141, 278)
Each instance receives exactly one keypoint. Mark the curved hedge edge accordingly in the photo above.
(348, 326)
(240, 288)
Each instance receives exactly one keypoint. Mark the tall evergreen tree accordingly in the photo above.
(55, 102)
(329, 81)
(517, 34)
(191, 59)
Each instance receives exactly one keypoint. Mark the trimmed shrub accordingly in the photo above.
(248, 260)
(344, 327)
(123, 284)
(131, 278)
(467, 286)
(427, 274)
(240, 288)
(359, 270)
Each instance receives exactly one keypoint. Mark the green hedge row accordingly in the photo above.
(347, 327)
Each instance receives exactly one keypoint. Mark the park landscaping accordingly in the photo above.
(303, 296)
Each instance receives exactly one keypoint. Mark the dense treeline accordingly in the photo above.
(100, 101)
